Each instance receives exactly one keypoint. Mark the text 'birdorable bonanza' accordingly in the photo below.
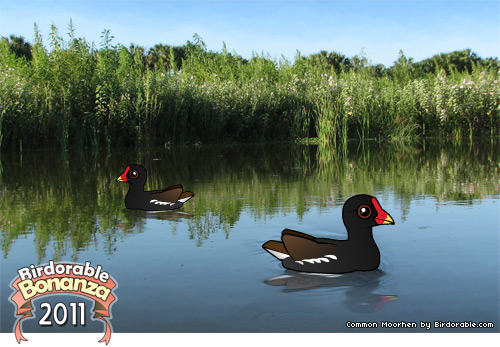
(63, 277)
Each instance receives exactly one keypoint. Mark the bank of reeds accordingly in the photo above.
(75, 95)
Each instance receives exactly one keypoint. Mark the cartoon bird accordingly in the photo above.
(305, 253)
(156, 200)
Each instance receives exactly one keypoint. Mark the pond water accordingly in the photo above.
(202, 268)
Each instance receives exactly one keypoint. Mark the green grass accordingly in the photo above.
(76, 96)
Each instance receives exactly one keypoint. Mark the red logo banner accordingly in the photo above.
(63, 278)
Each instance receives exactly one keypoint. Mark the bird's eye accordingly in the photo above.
(364, 211)
(134, 174)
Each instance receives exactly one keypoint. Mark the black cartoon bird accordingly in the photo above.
(156, 200)
(303, 252)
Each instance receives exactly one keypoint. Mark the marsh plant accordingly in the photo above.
(76, 95)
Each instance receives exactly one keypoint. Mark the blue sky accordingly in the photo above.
(377, 28)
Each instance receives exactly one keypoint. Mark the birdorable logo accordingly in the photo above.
(34, 282)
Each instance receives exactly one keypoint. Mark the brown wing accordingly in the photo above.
(296, 233)
(170, 194)
(173, 187)
(300, 248)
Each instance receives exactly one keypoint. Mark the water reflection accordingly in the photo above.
(70, 200)
(168, 215)
(359, 295)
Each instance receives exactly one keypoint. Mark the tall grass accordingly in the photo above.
(75, 95)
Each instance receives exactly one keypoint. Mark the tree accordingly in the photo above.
(459, 61)
(403, 68)
(19, 46)
(166, 56)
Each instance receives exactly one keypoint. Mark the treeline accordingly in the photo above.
(77, 95)
(162, 56)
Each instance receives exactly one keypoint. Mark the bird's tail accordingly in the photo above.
(277, 249)
(185, 196)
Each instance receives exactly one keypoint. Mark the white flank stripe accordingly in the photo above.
(157, 202)
(318, 260)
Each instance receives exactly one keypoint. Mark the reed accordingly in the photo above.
(74, 95)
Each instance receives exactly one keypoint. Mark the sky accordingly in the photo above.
(377, 29)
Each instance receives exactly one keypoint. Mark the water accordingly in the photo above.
(202, 268)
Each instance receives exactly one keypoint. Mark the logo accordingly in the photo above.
(85, 280)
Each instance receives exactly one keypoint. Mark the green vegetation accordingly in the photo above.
(75, 95)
